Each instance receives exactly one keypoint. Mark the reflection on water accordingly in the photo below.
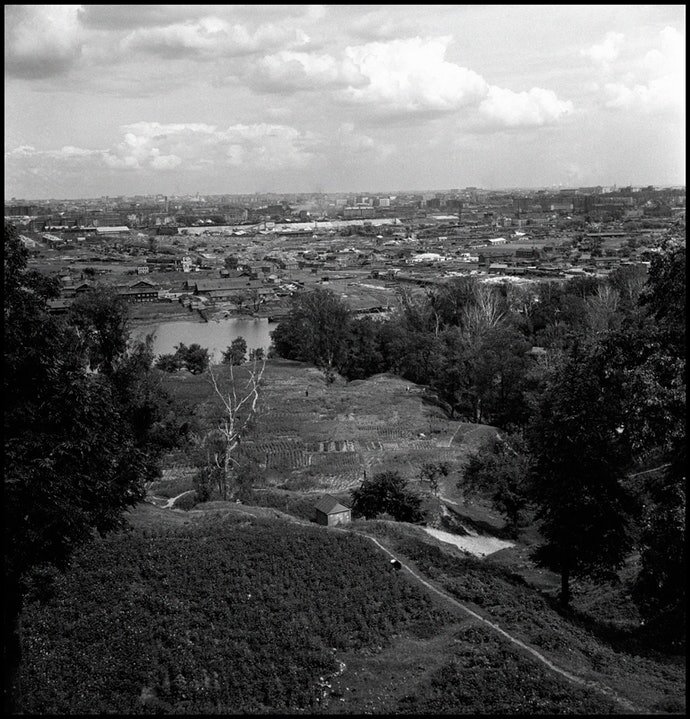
(215, 335)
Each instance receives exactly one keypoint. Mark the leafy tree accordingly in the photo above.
(236, 353)
(660, 422)
(76, 439)
(257, 354)
(386, 493)
(364, 356)
(196, 358)
(660, 588)
(101, 317)
(169, 362)
(315, 330)
(432, 472)
(579, 459)
(501, 471)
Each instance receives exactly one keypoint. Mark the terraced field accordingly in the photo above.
(310, 435)
(347, 429)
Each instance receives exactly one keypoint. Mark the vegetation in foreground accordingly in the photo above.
(233, 615)
(240, 614)
(578, 641)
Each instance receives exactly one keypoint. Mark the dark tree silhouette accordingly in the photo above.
(386, 493)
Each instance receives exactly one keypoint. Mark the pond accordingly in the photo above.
(215, 335)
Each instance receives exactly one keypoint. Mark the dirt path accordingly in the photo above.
(602, 689)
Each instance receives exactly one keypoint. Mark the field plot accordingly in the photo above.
(312, 435)
(349, 428)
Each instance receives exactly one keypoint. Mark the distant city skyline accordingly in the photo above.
(123, 100)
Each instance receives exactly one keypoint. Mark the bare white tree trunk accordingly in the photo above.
(239, 408)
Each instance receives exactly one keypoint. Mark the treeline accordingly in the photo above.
(586, 380)
(85, 425)
(468, 341)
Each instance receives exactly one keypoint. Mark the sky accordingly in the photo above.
(234, 99)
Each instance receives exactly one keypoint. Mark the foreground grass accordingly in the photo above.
(234, 614)
(229, 611)
(650, 680)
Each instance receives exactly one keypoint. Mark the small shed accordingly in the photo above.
(329, 511)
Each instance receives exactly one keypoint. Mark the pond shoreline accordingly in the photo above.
(214, 332)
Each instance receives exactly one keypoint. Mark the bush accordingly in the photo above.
(387, 493)
(187, 501)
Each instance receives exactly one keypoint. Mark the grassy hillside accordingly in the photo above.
(238, 612)
(311, 435)
(248, 608)
(229, 614)
(586, 642)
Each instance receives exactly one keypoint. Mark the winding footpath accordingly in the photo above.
(596, 686)
(602, 689)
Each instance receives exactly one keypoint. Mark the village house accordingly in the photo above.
(141, 291)
(329, 512)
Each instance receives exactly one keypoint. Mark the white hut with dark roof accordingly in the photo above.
(329, 511)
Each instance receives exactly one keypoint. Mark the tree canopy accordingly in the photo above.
(80, 415)
(386, 493)
(315, 330)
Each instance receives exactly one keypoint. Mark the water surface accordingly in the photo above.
(214, 335)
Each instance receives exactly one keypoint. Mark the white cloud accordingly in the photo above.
(656, 83)
(212, 36)
(288, 71)
(381, 25)
(607, 51)
(165, 162)
(412, 76)
(41, 40)
(524, 109)
(164, 146)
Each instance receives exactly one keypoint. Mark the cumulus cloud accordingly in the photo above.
(524, 109)
(287, 71)
(405, 78)
(212, 36)
(608, 50)
(412, 76)
(41, 40)
(656, 83)
(151, 149)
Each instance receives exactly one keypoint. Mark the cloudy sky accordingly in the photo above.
(180, 99)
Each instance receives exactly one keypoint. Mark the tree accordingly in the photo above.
(660, 588)
(194, 358)
(579, 461)
(315, 330)
(219, 447)
(169, 362)
(432, 472)
(660, 421)
(236, 353)
(387, 493)
(256, 354)
(76, 448)
(501, 471)
(101, 317)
